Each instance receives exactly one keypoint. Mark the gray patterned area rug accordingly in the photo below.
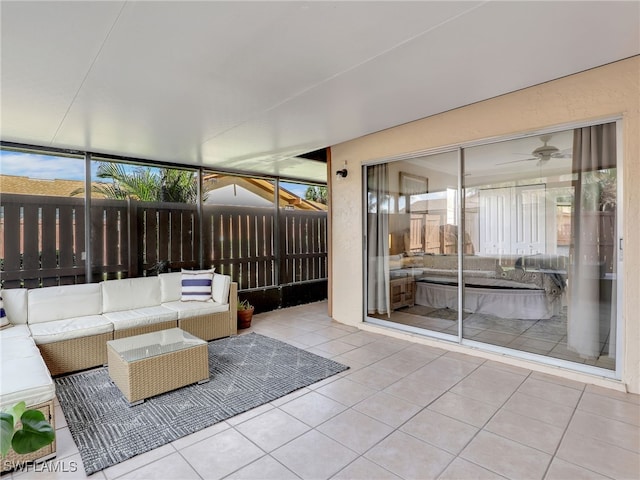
(245, 371)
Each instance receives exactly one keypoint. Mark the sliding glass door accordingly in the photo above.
(531, 237)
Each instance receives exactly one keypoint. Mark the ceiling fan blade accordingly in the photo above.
(516, 161)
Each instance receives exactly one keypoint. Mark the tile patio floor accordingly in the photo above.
(402, 411)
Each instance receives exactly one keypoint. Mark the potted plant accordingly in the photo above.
(245, 313)
(25, 431)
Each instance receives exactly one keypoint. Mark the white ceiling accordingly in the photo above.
(249, 85)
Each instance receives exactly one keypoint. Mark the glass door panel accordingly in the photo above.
(540, 274)
(412, 223)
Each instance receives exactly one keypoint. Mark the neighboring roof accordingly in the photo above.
(39, 186)
(260, 187)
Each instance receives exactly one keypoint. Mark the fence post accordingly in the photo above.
(277, 242)
(283, 261)
(88, 257)
(132, 227)
(199, 219)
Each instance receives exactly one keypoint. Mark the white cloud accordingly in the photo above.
(41, 166)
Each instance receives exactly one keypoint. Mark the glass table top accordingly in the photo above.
(152, 344)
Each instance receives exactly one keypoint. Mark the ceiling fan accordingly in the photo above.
(542, 154)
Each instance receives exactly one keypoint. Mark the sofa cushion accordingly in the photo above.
(220, 288)
(196, 285)
(58, 330)
(170, 286)
(25, 379)
(395, 262)
(57, 303)
(17, 347)
(140, 316)
(130, 293)
(470, 263)
(195, 309)
(15, 331)
(15, 304)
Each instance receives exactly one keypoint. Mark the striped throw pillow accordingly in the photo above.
(196, 285)
(4, 321)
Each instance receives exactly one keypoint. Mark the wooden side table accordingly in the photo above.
(402, 292)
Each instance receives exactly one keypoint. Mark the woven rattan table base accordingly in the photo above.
(151, 376)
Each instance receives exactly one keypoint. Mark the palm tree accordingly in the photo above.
(316, 194)
(145, 184)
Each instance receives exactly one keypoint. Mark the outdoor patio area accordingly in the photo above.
(403, 410)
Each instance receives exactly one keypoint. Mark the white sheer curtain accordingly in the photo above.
(590, 298)
(378, 240)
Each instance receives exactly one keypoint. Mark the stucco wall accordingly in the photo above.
(604, 92)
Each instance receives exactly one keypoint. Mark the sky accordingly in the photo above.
(50, 167)
(40, 166)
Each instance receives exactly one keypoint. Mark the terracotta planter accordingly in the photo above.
(244, 317)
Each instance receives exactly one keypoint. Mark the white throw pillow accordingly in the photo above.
(196, 285)
(220, 288)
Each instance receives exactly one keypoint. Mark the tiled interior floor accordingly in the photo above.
(544, 337)
(402, 410)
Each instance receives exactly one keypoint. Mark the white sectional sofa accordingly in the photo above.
(71, 324)
(56, 330)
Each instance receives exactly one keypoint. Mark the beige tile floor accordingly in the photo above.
(402, 411)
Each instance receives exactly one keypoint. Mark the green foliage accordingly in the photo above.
(145, 184)
(316, 194)
(244, 305)
(34, 433)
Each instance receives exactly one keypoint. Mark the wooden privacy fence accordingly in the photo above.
(42, 241)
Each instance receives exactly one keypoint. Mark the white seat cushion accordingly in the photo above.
(195, 309)
(58, 303)
(15, 331)
(25, 379)
(140, 317)
(17, 347)
(56, 331)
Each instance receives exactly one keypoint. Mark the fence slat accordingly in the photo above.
(175, 236)
(49, 261)
(112, 234)
(186, 240)
(80, 243)
(132, 231)
(250, 253)
(216, 233)
(207, 238)
(31, 247)
(163, 235)
(150, 236)
(65, 232)
(11, 228)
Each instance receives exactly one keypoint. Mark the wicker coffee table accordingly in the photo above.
(146, 365)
